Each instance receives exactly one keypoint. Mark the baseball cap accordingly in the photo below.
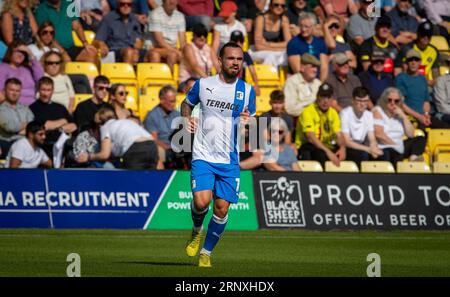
(325, 90)
(412, 53)
(237, 36)
(227, 8)
(309, 59)
(383, 21)
(425, 29)
(340, 58)
(378, 55)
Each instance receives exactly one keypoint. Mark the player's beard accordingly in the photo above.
(228, 75)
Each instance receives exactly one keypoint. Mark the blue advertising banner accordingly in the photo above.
(80, 198)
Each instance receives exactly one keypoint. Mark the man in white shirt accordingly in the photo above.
(27, 152)
(358, 130)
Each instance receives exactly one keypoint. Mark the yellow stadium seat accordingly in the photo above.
(284, 71)
(82, 68)
(438, 140)
(132, 98)
(310, 166)
(440, 167)
(146, 103)
(180, 99)
(344, 166)
(90, 36)
(443, 70)
(80, 98)
(267, 76)
(440, 43)
(154, 74)
(443, 157)
(377, 167)
(263, 100)
(121, 71)
(246, 44)
(413, 167)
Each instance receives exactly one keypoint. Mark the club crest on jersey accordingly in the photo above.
(240, 95)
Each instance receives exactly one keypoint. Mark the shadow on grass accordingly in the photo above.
(156, 263)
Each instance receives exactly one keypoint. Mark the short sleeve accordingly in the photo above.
(102, 32)
(252, 102)
(193, 97)
(44, 157)
(345, 123)
(353, 27)
(18, 151)
(306, 118)
(292, 47)
(104, 132)
(370, 122)
(154, 24)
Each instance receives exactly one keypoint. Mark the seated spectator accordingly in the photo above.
(250, 157)
(391, 125)
(357, 128)
(342, 81)
(430, 55)
(271, 34)
(117, 98)
(120, 33)
(139, 7)
(14, 116)
(361, 26)
(441, 95)
(85, 111)
(293, 12)
(124, 139)
(18, 22)
(63, 92)
(318, 130)
(159, 123)
(380, 42)
(414, 88)
(27, 152)
(54, 116)
(331, 28)
(438, 11)
(195, 12)
(198, 57)
(166, 26)
(55, 11)
(246, 13)
(222, 32)
(92, 12)
(20, 63)
(282, 157)
(374, 79)
(340, 8)
(47, 42)
(301, 88)
(305, 42)
(404, 25)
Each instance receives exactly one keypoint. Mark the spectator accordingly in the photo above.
(357, 128)
(293, 12)
(120, 32)
(186, 85)
(55, 11)
(139, 7)
(18, 22)
(246, 13)
(117, 98)
(54, 116)
(374, 79)
(198, 57)
(197, 11)
(380, 41)
(27, 152)
(305, 42)
(404, 25)
(92, 12)
(438, 11)
(301, 88)
(414, 88)
(318, 130)
(85, 111)
(331, 28)
(441, 95)
(361, 26)
(282, 157)
(14, 116)
(340, 8)
(19, 62)
(250, 158)
(159, 123)
(166, 25)
(222, 32)
(47, 42)
(342, 81)
(63, 92)
(271, 35)
(391, 124)
(125, 139)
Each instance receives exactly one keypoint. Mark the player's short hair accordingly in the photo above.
(226, 45)
(33, 127)
(277, 96)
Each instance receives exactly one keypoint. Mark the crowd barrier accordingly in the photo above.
(120, 199)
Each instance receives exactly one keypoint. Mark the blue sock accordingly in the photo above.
(198, 217)
(215, 229)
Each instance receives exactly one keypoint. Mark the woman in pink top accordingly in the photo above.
(198, 57)
(20, 63)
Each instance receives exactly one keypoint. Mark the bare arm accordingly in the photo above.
(273, 166)
(7, 28)
(252, 162)
(159, 38)
(33, 24)
(294, 62)
(323, 67)
(216, 41)
(192, 61)
(14, 163)
(380, 135)
(105, 151)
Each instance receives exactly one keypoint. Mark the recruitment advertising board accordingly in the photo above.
(325, 201)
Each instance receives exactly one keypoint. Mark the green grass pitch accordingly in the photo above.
(258, 253)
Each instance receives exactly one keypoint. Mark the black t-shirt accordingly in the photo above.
(370, 44)
(50, 112)
(85, 112)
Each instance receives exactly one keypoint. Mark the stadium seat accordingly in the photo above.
(154, 74)
(146, 103)
(377, 167)
(413, 167)
(267, 76)
(443, 70)
(440, 43)
(345, 166)
(80, 98)
(86, 68)
(263, 100)
(443, 157)
(310, 166)
(180, 98)
(441, 167)
(119, 72)
(438, 141)
(90, 36)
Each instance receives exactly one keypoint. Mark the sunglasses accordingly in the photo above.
(410, 1)
(334, 26)
(396, 101)
(52, 62)
(378, 62)
(414, 59)
(47, 32)
(122, 93)
(125, 4)
(101, 88)
(279, 5)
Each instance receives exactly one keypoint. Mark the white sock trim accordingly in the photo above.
(220, 221)
(203, 251)
(197, 211)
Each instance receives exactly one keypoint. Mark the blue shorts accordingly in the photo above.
(222, 179)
